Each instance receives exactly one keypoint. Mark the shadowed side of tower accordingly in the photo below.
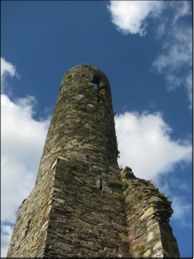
(74, 208)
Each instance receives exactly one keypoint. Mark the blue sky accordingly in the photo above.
(144, 48)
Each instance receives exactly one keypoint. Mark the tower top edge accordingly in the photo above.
(86, 67)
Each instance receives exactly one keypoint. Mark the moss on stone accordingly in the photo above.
(123, 237)
(124, 185)
(164, 197)
(140, 250)
(69, 76)
(113, 183)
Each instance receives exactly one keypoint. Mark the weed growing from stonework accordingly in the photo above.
(140, 250)
(124, 186)
(69, 76)
(114, 183)
(123, 237)
(164, 197)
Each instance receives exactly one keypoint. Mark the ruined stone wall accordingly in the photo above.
(147, 214)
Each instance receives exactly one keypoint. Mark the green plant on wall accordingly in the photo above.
(123, 237)
(69, 76)
(164, 197)
(124, 185)
(113, 183)
(140, 250)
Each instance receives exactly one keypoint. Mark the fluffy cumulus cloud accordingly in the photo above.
(145, 144)
(22, 139)
(175, 60)
(129, 16)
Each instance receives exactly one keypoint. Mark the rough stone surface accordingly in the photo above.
(147, 214)
(82, 204)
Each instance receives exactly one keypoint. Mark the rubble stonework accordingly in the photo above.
(147, 215)
(83, 204)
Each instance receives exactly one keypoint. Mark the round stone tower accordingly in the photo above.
(76, 207)
(81, 203)
(82, 126)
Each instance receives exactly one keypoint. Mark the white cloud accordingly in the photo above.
(188, 85)
(181, 9)
(21, 145)
(181, 209)
(175, 60)
(22, 139)
(6, 232)
(145, 144)
(7, 69)
(130, 16)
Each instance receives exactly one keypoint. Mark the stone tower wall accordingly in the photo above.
(85, 221)
(82, 204)
(30, 230)
(82, 126)
(72, 211)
